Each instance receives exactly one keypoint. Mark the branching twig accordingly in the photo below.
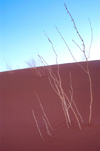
(69, 49)
(56, 84)
(84, 52)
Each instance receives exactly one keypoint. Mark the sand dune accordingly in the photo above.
(18, 129)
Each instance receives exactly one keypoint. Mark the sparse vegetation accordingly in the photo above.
(83, 50)
(34, 65)
(9, 67)
(56, 82)
(44, 118)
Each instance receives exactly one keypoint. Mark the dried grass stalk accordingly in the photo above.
(32, 63)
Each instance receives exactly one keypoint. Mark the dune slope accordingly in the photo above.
(18, 129)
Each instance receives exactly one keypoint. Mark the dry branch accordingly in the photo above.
(84, 52)
(56, 84)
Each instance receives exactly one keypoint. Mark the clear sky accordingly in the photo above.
(22, 23)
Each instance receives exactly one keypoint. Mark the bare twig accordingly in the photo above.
(91, 36)
(46, 124)
(37, 125)
(69, 49)
(84, 52)
(56, 84)
(71, 93)
(75, 27)
(43, 111)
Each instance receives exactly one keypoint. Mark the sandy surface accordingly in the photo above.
(18, 129)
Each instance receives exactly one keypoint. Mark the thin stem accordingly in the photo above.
(43, 111)
(37, 125)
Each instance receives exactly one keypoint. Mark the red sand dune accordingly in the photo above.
(18, 130)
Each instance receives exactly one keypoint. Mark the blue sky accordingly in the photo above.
(22, 23)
